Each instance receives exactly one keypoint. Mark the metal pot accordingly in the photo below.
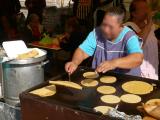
(20, 75)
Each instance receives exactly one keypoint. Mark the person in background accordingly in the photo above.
(52, 20)
(20, 21)
(82, 9)
(10, 8)
(154, 4)
(73, 35)
(141, 22)
(75, 6)
(157, 34)
(35, 6)
(8, 29)
(111, 46)
(33, 30)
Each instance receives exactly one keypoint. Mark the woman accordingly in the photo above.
(141, 23)
(36, 7)
(34, 29)
(8, 29)
(102, 7)
(73, 35)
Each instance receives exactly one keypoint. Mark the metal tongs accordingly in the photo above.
(69, 77)
(97, 73)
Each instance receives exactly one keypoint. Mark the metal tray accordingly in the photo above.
(88, 98)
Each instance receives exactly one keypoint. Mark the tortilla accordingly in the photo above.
(30, 54)
(152, 107)
(153, 102)
(90, 75)
(131, 98)
(89, 83)
(45, 91)
(103, 109)
(148, 118)
(108, 79)
(106, 89)
(67, 84)
(110, 99)
(137, 87)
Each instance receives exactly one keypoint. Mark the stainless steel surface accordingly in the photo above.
(8, 112)
(20, 75)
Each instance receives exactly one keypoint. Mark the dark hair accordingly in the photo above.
(117, 11)
(133, 5)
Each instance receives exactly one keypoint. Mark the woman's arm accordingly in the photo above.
(129, 62)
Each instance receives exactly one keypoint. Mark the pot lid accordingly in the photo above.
(14, 48)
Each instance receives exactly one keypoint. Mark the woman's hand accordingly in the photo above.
(70, 67)
(106, 66)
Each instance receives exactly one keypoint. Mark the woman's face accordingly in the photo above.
(142, 11)
(111, 26)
